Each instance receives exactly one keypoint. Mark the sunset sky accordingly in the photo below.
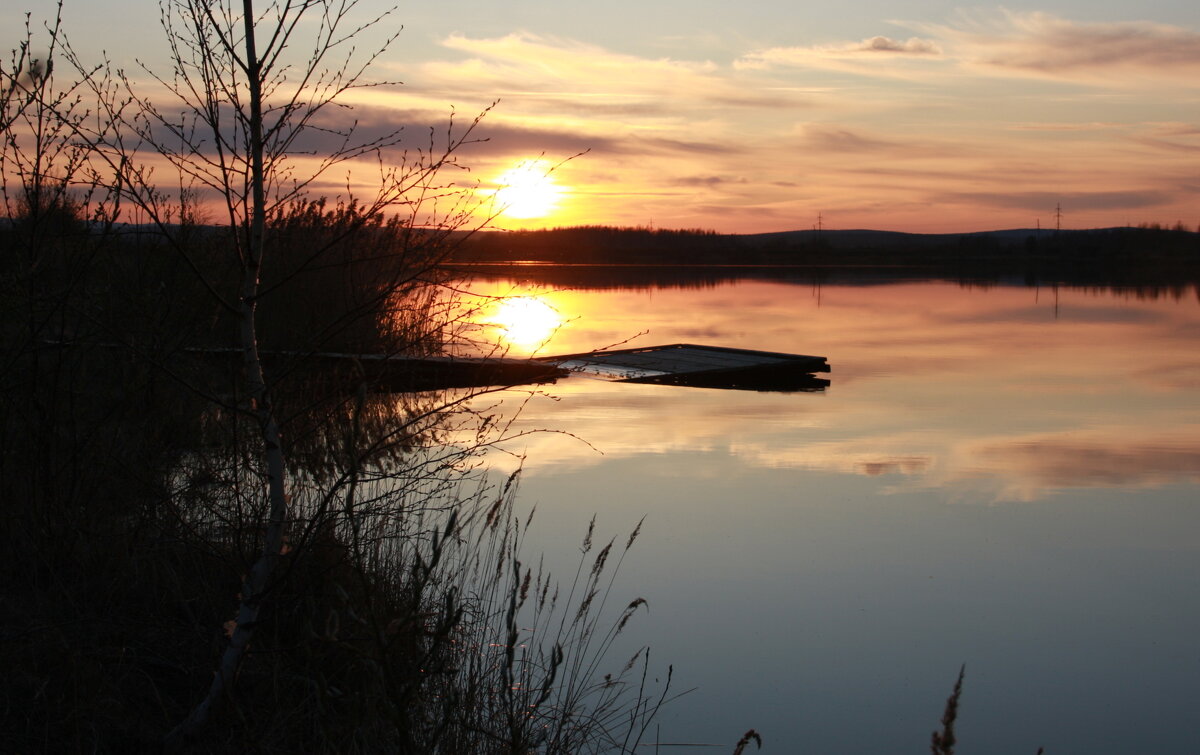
(762, 115)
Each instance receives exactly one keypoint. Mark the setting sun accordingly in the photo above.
(527, 191)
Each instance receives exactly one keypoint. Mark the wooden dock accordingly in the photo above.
(673, 364)
(701, 366)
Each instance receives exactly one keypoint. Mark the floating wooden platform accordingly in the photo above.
(701, 366)
(672, 364)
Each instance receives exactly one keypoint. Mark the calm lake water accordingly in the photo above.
(999, 476)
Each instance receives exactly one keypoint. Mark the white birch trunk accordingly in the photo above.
(259, 577)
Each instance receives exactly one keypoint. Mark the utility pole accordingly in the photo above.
(819, 222)
(1058, 217)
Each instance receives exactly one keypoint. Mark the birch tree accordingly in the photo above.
(240, 100)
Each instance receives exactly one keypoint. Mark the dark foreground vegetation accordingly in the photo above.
(208, 544)
(399, 617)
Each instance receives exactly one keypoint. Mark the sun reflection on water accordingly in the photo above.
(524, 323)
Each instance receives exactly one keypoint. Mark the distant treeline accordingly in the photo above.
(596, 244)
(1148, 251)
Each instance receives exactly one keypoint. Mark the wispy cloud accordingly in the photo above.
(1168, 145)
(1077, 201)
(708, 181)
(1042, 44)
(840, 139)
(911, 46)
(570, 71)
(875, 55)
(1061, 126)
(1010, 43)
(1171, 137)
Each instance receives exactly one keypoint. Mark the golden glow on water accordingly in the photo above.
(988, 395)
(524, 323)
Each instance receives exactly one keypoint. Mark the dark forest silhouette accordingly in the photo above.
(1147, 254)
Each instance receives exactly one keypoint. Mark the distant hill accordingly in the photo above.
(893, 239)
(599, 244)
